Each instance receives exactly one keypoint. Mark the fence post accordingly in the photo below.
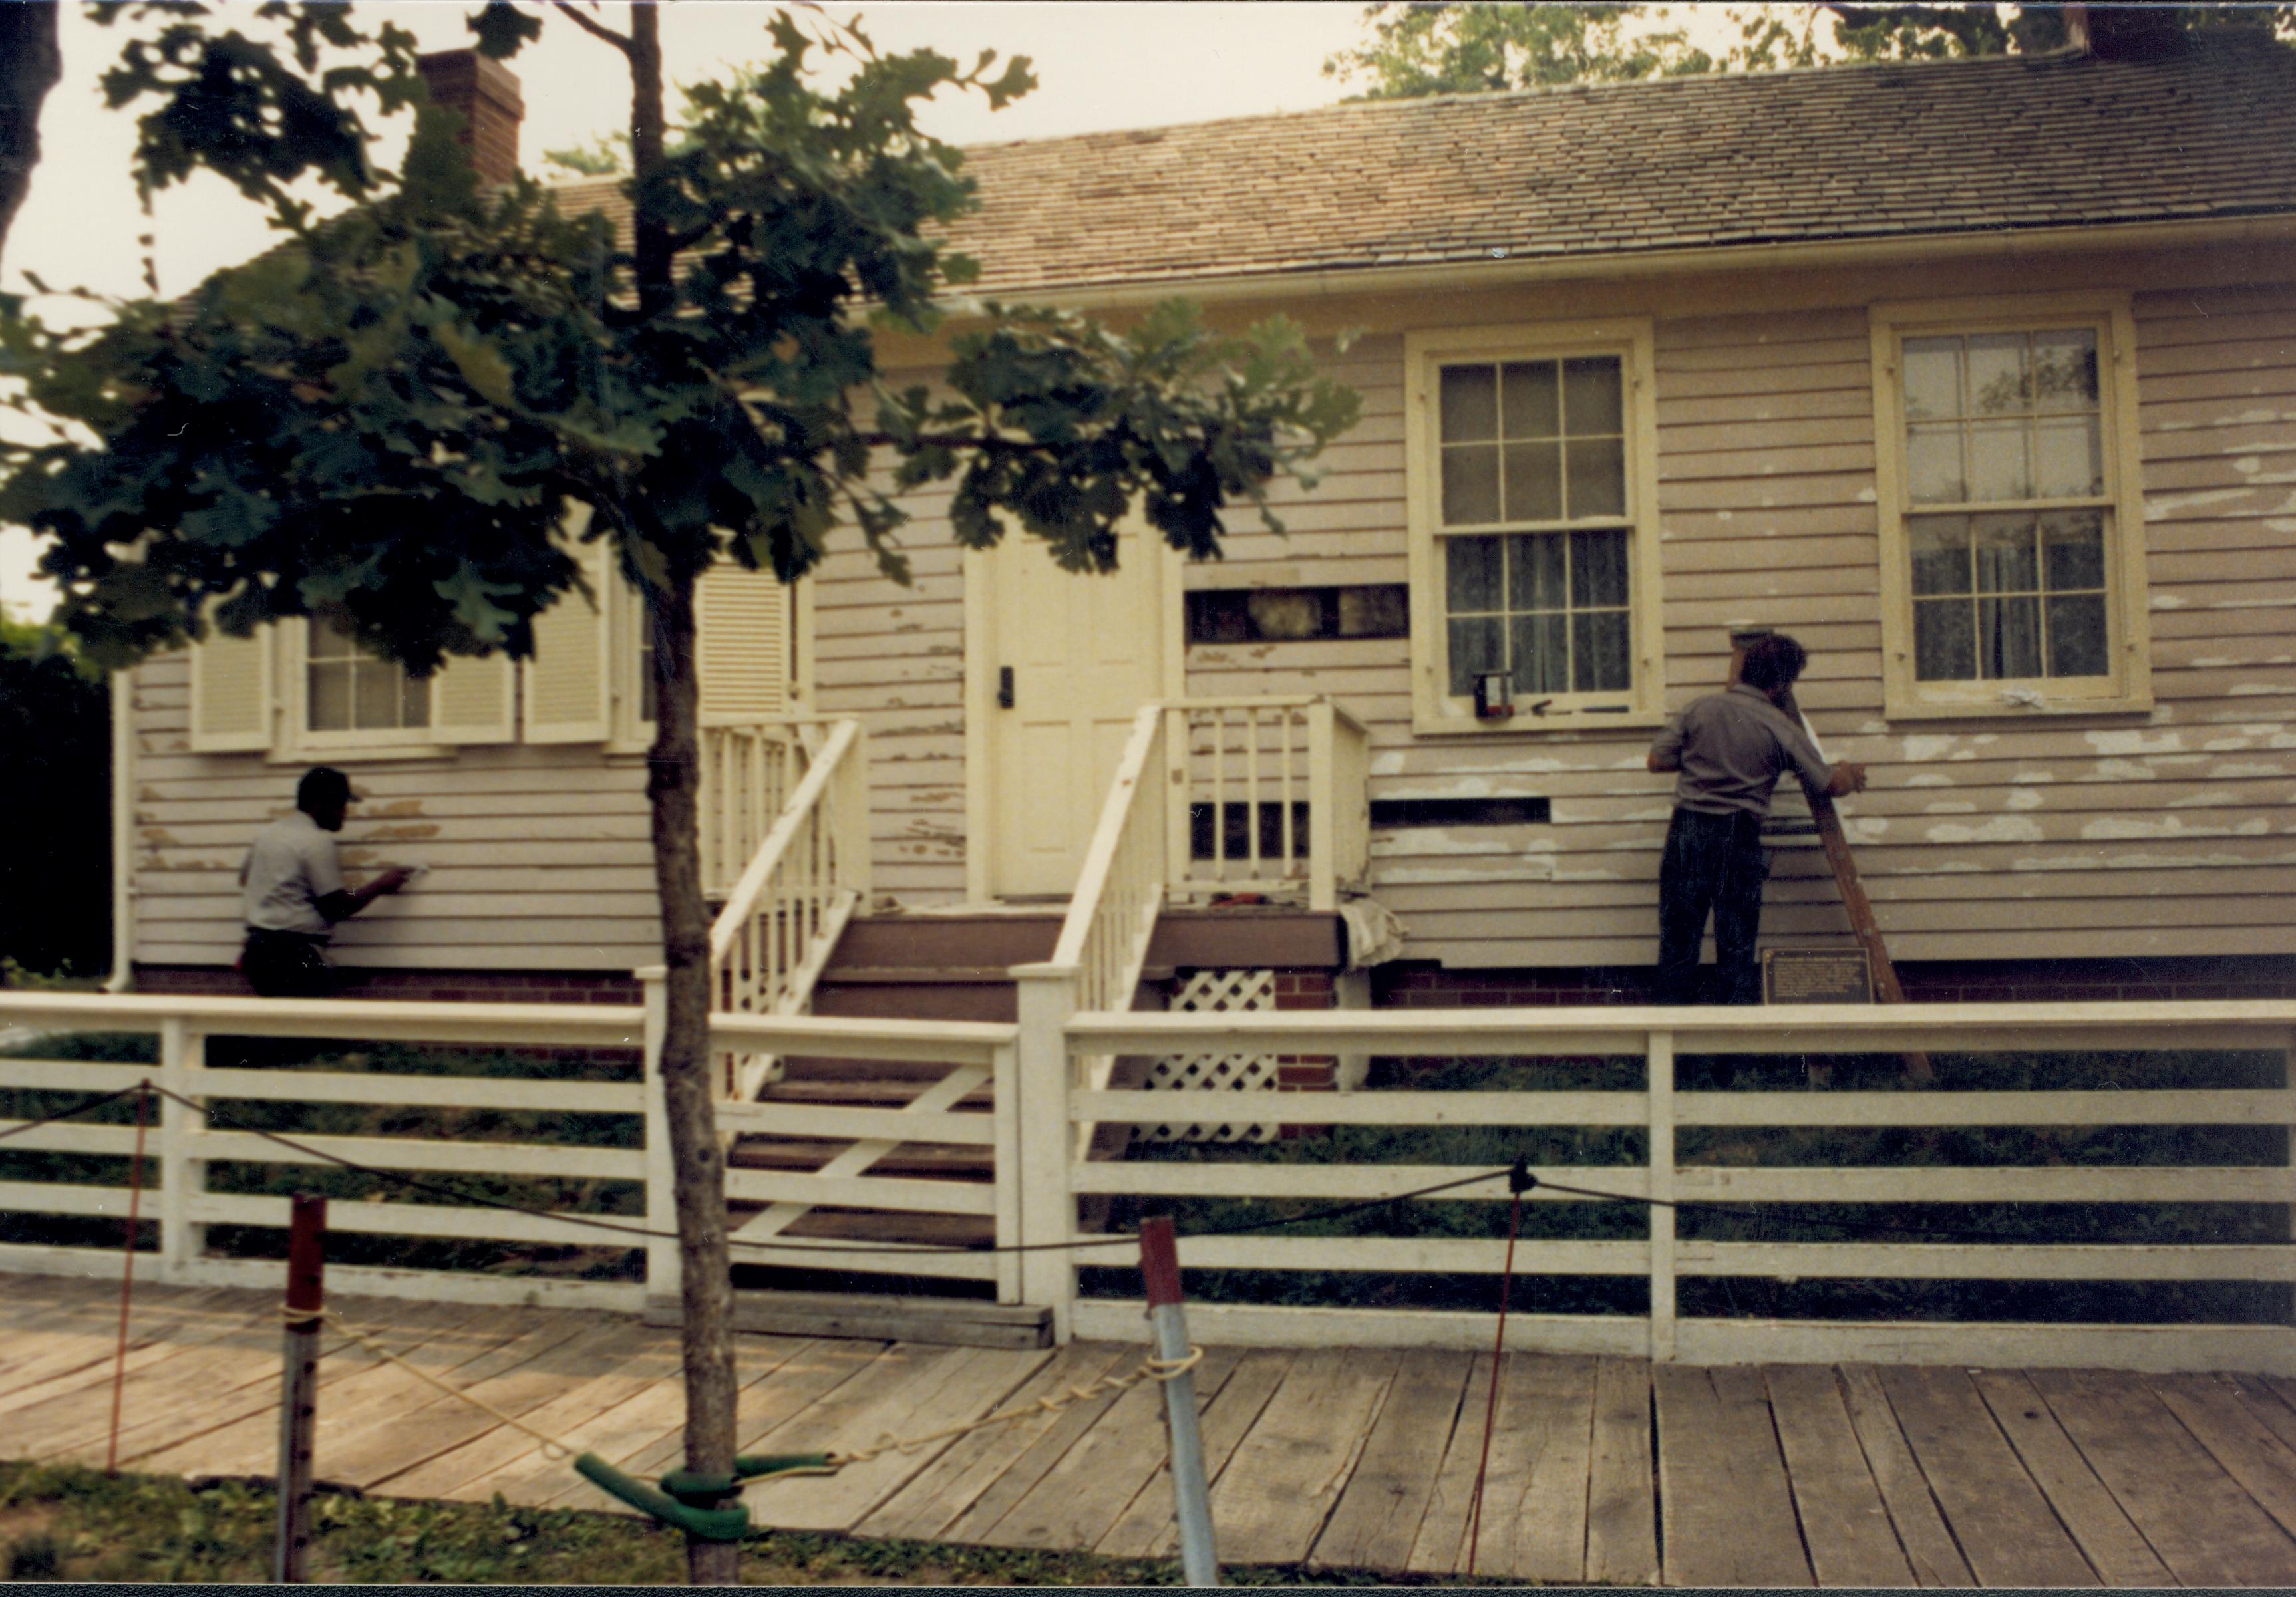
(1192, 1502)
(1658, 1064)
(661, 1272)
(854, 849)
(1004, 1085)
(1323, 812)
(1047, 995)
(183, 1057)
(1179, 841)
(299, 1392)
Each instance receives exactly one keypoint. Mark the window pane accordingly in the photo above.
(1943, 647)
(1997, 381)
(1599, 652)
(2067, 458)
(1536, 578)
(330, 696)
(1997, 468)
(2006, 562)
(1933, 378)
(1598, 477)
(2064, 370)
(415, 703)
(2009, 636)
(375, 696)
(1940, 546)
(1470, 484)
(1541, 654)
(2073, 550)
(1469, 404)
(1933, 467)
(1476, 646)
(1527, 398)
(1534, 482)
(329, 641)
(1473, 579)
(1598, 568)
(2076, 636)
(1594, 396)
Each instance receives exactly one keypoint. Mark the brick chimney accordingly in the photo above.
(485, 93)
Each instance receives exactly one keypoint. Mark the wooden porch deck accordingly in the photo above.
(1604, 1469)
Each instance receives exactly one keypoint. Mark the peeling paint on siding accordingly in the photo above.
(2000, 829)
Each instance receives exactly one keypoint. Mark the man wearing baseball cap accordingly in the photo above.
(295, 893)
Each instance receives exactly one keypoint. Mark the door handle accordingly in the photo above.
(1004, 687)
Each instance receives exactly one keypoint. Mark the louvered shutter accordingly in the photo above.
(474, 701)
(232, 693)
(568, 682)
(743, 647)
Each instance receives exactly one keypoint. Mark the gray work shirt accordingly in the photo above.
(289, 868)
(1732, 748)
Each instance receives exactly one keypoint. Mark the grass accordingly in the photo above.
(66, 1522)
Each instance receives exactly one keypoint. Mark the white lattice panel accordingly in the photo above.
(1216, 992)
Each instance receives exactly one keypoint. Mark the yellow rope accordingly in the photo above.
(1150, 1369)
(552, 1448)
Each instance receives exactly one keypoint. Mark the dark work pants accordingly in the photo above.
(286, 964)
(1713, 862)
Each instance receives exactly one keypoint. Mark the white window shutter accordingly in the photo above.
(742, 648)
(232, 691)
(474, 701)
(568, 682)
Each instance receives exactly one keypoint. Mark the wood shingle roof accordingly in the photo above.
(1994, 144)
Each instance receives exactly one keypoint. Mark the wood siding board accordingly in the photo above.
(2113, 1546)
(1379, 1511)
(2003, 1525)
(2204, 1526)
(1845, 1524)
(1729, 1514)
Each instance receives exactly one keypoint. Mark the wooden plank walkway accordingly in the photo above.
(1604, 1469)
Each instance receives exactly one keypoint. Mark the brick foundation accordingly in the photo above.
(437, 986)
(1414, 984)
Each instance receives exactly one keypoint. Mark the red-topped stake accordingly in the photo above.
(299, 1397)
(1192, 1502)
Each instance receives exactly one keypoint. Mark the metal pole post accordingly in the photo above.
(299, 1394)
(1160, 1266)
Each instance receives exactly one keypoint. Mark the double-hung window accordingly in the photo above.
(2012, 532)
(350, 688)
(1533, 549)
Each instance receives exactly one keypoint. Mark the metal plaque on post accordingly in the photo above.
(1817, 976)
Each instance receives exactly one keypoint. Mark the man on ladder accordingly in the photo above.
(1729, 751)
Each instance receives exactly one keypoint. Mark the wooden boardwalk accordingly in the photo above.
(1604, 1469)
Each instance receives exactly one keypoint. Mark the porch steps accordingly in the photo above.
(948, 965)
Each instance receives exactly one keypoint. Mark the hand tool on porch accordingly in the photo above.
(1838, 858)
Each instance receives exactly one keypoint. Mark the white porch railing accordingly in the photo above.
(1040, 1102)
(784, 912)
(1054, 1177)
(749, 769)
(1267, 795)
(179, 1203)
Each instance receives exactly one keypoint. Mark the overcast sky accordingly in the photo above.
(1100, 66)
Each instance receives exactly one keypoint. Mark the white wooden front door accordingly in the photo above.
(1084, 653)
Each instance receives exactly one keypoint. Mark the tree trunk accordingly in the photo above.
(706, 1287)
(673, 787)
(30, 63)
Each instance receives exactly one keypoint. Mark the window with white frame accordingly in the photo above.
(2012, 541)
(1531, 545)
(350, 688)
